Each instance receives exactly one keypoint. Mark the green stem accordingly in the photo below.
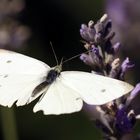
(8, 124)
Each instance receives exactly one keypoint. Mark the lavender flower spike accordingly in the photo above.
(103, 18)
(114, 68)
(123, 122)
(117, 118)
(88, 32)
(126, 65)
(133, 94)
(87, 59)
(116, 47)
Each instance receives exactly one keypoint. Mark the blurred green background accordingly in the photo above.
(58, 22)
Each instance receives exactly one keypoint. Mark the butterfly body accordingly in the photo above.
(23, 79)
(53, 74)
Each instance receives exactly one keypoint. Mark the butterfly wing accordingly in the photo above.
(95, 89)
(19, 75)
(59, 99)
(12, 62)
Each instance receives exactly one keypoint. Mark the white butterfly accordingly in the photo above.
(23, 79)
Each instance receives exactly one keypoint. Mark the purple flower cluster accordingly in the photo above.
(12, 33)
(118, 117)
(125, 16)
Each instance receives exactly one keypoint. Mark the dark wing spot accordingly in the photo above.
(8, 61)
(5, 76)
(0, 85)
(103, 90)
(78, 98)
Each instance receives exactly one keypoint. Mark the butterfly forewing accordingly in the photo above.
(12, 62)
(19, 75)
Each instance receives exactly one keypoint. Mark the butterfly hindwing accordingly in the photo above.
(95, 89)
(59, 99)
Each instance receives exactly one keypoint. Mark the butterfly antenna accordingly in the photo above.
(74, 57)
(54, 53)
(61, 62)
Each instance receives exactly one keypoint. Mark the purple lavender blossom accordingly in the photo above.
(124, 123)
(126, 65)
(116, 47)
(97, 33)
(87, 59)
(135, 92)
(87, 32)
(126, 23)
(116, 119)
(100, 48)
(92, 58)
(115, 68)
(12, 34)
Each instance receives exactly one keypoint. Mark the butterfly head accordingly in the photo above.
(58, 68)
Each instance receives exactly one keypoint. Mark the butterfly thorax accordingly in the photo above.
(53, 74)
(50, 78)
